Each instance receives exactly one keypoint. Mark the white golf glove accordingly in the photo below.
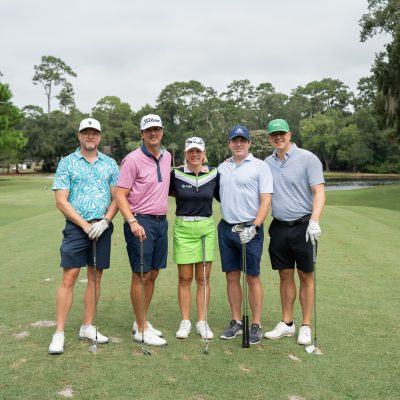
(98, 228)
(247, 234)
(313, 231)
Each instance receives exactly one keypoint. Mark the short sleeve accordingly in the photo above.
(62, 179)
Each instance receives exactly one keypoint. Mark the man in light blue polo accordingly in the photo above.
(84, 188)
(245, 190)
(297, 205)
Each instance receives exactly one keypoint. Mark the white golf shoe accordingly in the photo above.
(149, 338)
(304, 335)
(280, 330)
(89, 333)
(184, 329)
(57, 344)
(204, 330)
(150, 326)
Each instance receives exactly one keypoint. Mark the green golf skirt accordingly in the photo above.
(188, 242)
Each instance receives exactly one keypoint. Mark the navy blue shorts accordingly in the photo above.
(288, 247)
(77, 249)
(230, 250)
(155, 247)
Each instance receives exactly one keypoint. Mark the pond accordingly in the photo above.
(358, 184)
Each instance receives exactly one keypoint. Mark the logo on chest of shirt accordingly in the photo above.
(186, 186)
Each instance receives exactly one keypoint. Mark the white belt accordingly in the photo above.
(190, 218)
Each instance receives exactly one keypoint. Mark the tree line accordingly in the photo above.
(347, 131)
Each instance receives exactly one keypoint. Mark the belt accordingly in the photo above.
(191, 218)
(249, 223)
(94, 220)
(157, 217)
(295, 222)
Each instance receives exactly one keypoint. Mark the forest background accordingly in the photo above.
(358, 132)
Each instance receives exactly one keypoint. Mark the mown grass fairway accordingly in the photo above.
(358, 314)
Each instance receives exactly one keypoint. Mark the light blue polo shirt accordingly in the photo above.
(88, 184)
(293, 178)
(240, 188)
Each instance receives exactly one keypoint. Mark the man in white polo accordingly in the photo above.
(245, 192)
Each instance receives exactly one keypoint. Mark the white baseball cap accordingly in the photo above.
(150, 120)
(89, 123)
(195, 142)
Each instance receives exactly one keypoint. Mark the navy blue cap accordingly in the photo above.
(239, 130)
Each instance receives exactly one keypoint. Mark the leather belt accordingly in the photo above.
(295, 222)
(156, 217)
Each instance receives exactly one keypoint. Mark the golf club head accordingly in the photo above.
(145, 352)
(311, 349)
(93, 348)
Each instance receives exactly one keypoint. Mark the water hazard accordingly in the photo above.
(358, 184)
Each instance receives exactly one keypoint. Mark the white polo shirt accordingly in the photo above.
(240, 188)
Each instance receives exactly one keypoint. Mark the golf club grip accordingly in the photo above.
(245, 337)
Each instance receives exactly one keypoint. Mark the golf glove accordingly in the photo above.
(247, 234)
(313, 231)
(98, 228)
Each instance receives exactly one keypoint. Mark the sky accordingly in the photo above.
(133, 49)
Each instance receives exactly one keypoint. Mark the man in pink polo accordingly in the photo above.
(142, 198)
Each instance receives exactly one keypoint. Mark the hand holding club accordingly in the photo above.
(247, 234)
(98, 228)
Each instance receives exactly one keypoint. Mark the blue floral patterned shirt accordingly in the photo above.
(88, 184)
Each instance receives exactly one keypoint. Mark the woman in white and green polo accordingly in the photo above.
(194, 186)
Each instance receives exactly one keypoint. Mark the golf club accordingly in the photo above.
(245, 317)
(203, 242)
(93, 347)
(144, 351)
(313, 347)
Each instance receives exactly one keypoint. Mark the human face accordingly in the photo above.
(194, 157)
(239, 147)
(89, 139)
(280, 141)
(152, 137)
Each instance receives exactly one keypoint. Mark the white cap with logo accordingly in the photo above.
(195, 142)
(149, 121)
(90, 123)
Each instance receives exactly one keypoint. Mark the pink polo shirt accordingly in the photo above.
(148, 185)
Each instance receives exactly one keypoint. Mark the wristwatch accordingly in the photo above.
(131, 220)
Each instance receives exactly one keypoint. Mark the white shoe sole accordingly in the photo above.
(182, 336)
(304, 344)
(149, 344)
(238, 333)
(91, 340)
(279, 337)
(56, 352)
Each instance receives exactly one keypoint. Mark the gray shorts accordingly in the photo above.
(77, 249)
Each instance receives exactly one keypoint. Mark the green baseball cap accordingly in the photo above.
(277, 125)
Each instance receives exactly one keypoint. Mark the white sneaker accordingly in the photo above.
(280, 331)
(304, 335)
(184, 329)
(150, 326)
(149, 338)
(57, 344)
(90, 334)
(204, 330)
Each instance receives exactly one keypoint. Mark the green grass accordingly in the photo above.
(358, 318)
